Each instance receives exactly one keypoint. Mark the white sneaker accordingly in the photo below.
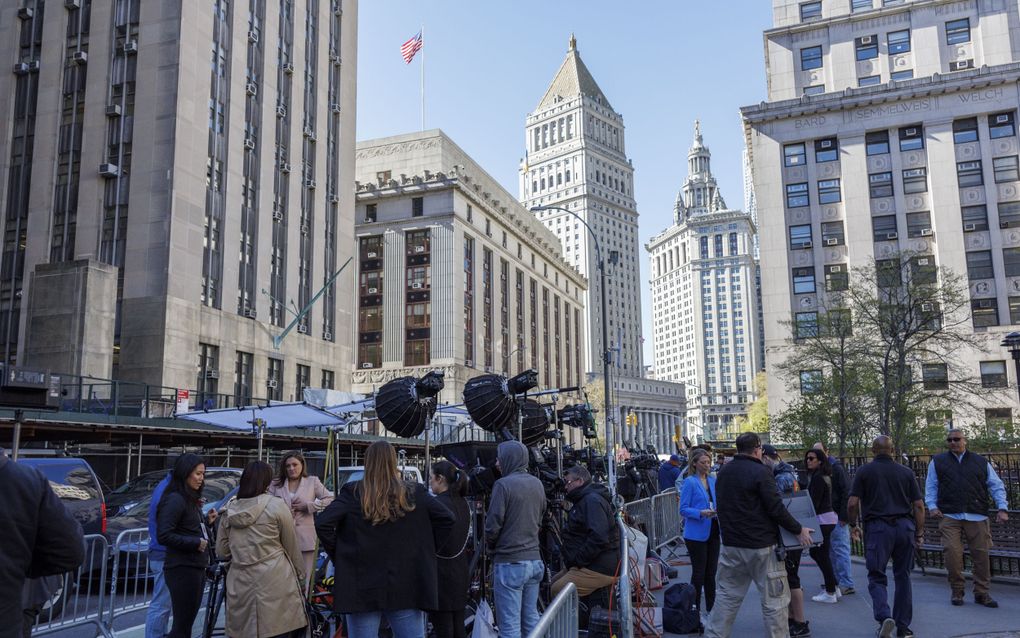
(838, 594)
(825, 597)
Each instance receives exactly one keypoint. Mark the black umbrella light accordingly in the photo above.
(406, 404)
(493, 403)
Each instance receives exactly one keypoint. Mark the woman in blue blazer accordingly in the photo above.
(701, 527)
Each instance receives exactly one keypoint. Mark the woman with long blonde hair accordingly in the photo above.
(386, 563)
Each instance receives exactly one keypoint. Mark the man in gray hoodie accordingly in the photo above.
(511, 533)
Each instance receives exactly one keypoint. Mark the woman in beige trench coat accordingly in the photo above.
(305, 496)
(263, 595)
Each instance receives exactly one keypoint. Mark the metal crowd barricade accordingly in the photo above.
(642, 517)
(130, 582)
(560, 617)
(667, 522)
(77, 598)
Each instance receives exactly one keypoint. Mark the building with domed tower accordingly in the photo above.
(705, 309)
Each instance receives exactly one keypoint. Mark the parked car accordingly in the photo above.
(129, 493)
(220, 485)
(351, 473)
(78, 488)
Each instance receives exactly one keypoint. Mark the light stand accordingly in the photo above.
(1012, 343)
(601, 265)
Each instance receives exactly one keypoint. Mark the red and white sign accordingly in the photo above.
(182, 402)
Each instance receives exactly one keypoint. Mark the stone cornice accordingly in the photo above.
(881, 13)
(852, 98)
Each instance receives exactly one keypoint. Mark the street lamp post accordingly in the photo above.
(601, 264)
(1012, 343)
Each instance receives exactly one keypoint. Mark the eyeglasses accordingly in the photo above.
(953, 439)
(571, 481)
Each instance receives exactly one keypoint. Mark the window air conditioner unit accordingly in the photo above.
(250, 313)
(416, 286)
(80, 57)
(368, 220)
(969, 227)
(371, 255)
(926, 232)
(131, 47)
(831, 241)
(335, 107)
(334, 198)
(836, 268)
(336, 9)
(21, 68)
(961, 65)
(866, 39)
(33, 66)
(253, 37)
(984, 303)
(281, 111)
(366, 365)
(113, 110)
(284, 167)
(373, 291)
(1002, 119)
(249, 143)
(307, 131)
(304, 229)
(26, 13)
(212, 374)
(469, 363)
(927, 307)
(827, 143)
(277, 215)
(334, 58)
(251, 88)
(419, 249)
(271, 383)
(309, 183)
(72, 4)
(288, 68)
(806, 244)
(910, 131)
(302, 328)
(1003, 224)
(891, 235)
(109, 170)
(327, 335)
(922, 262)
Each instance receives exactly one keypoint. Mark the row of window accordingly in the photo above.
(207, 394)
(813, 10)
(866, 47)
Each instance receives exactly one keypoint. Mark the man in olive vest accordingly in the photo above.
(956, 492)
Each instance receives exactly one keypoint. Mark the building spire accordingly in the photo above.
(573, 43)
(697, 131)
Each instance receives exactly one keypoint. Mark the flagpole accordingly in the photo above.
(423, 76)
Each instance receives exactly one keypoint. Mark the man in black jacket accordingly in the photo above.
(750, 512)
(40, 537)
(591, 544)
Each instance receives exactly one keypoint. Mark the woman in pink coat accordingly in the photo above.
(305, 496)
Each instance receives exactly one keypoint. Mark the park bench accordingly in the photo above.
(1004, 555)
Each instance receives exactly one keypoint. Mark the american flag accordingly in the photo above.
(409, 48)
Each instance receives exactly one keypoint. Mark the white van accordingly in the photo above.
(357, 472)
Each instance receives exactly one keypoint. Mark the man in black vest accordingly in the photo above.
(956, 492)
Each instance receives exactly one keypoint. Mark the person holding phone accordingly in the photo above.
(701, 527)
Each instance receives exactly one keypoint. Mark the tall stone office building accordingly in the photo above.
(704, 301)
(454, 274)
(178, 179)
(576, 158)
(889, 127)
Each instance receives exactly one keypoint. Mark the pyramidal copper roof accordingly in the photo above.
(572, 79)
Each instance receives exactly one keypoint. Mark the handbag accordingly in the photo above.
(484, 624)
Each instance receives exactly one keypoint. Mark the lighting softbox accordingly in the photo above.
(406, 404)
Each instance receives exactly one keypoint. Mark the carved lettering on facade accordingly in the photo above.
(809, 122)
(981, 96)
(890, 110)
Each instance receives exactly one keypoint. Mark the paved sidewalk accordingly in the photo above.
(934, 617)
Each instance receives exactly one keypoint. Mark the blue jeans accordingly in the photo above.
(516, 592)
(158, 616)
(884, 540)
(839, 550)
(405, 623)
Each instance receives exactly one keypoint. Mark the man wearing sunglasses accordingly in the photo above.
(956, 492)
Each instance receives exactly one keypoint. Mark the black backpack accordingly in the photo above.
(680, 614)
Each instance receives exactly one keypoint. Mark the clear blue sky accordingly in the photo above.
(661, 63)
